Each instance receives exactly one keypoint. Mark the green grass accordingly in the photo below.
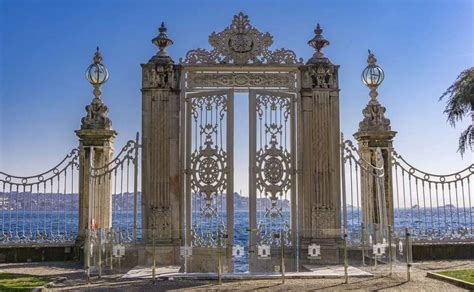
(465, 275)
(20, 282)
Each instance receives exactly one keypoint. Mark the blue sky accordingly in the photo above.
(45, 47)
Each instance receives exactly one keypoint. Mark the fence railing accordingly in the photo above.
(42, 208)
(120, 179)
(435, 207)
(361, 180)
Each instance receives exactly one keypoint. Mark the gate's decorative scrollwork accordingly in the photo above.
(209, 166)
(273, 176)
(242, 79)
(274, 166)
(208, 175)
(240, 44)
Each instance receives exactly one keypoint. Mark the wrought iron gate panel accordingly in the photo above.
(209, 163)
(272, 168)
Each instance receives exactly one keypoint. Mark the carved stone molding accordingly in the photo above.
(246, 79)
(161, 216)
(323, 221)
(241, 44)
(320, 76)
(97, 116)
(160, 76)
(374, 118)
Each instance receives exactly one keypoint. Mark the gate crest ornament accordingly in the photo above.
(240, 44)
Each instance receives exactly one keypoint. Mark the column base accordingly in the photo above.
(165, 255)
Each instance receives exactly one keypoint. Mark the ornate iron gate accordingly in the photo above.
(209, 164)
(272, 170)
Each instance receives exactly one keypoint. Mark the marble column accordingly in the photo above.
(161, 207)
(375, 132)
(319, 196)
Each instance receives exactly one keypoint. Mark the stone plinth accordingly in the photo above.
(375, 132)
(96, 147)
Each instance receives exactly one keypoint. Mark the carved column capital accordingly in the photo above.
(319, 76)
(162, 76)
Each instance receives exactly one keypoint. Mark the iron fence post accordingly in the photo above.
(135, 187)
(390, 248)
(282, 244)
(362, 228)
(407, 244)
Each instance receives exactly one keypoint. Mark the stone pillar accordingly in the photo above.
(161, 208)
(319, 197)
(96, 138)
(375, 132)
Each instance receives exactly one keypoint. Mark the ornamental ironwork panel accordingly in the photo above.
(286, 80)
(240, 44)
(209, 160)
(272, 162)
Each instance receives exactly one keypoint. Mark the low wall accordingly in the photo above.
(37, 253)
(67, 251)
(443, 251)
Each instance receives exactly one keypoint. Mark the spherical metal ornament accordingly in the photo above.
(96, 73)
(373, 75)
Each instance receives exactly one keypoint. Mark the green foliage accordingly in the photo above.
(21, 282)
(459, 104)
(465, 275)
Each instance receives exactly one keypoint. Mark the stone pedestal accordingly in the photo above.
(375, 132)
(96, 148)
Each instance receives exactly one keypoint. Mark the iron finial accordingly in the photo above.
(371, 60)
(373, 75)
(97, 74)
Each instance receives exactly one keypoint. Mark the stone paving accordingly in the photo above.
(70, 277)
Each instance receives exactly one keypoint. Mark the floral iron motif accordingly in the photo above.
(240, 44)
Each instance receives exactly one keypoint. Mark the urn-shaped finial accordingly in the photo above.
(162, 41)
(318, 42)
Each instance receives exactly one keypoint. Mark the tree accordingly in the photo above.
(459, 103)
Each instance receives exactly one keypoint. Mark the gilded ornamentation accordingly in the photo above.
(247, 79)
(240, 44)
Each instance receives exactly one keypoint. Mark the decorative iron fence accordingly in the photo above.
(435, 207)
(42, 208)
(361, 180)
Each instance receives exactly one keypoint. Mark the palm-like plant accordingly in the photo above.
(459, 103)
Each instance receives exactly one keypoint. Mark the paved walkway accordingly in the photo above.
(70, 277)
